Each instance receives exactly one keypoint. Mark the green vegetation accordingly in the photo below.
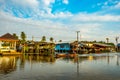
(107, 39)
(60, 40)
(102, 42)
(112, 44)
(14, 34)
(43, 39)
(23, 37)
(51, 39)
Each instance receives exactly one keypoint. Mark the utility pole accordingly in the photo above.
(77, 39)
(77, 35)
(77, 53)
(116, 39)
(32, 38)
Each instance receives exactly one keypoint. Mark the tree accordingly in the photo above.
(107, 39)
(101, 42)
(14, 34)
(112, 44)
(23, 36)
(60, 40)
(116, 39)
(94, 41)
(51, 39)
(43, 39)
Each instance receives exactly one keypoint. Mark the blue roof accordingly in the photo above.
(118, 44)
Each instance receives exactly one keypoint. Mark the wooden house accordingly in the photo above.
(8, 43)
(71, 47)
(63, 47)
(99, 47)
(40, 47)
(118, 47)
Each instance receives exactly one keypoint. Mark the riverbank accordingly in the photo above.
(10, 54)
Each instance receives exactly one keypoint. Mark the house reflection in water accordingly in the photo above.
(90, 57)
(7, 64)
(43, 59)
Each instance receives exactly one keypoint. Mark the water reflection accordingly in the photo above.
(43, 59)
(108, 59)
(7, 64)
(90, 57)
(116, 57)
(117, 60)
(87, 67)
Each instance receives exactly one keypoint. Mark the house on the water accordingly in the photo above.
(70, 47)
(99, 47)
(118, 47)
(8, 43)
(63, 47)
(40, 47)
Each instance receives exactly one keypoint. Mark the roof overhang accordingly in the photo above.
(9, 40)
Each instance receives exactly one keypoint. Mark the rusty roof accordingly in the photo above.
(8, 36)
(101, 44)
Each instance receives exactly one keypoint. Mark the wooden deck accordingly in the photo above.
(10, 54)
(40, 54)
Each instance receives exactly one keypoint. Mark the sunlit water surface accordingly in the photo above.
(105, 66)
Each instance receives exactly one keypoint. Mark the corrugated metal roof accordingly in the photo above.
(100, 44)
(64, 42)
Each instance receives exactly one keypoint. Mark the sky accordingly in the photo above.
(60, 19)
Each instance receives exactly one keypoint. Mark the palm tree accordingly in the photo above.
(60, 40)
(51, 39)
(43, 39)
(116, 39)
(107, 40)
(23, 36)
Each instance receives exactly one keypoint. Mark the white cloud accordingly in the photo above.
(28, 8)
(117, 6)
(29, 3)
(48, 28)
(35, 28)
(65, 1)
(60, 25)
(96, 18)
(111, 5)
(63, 15)
(81, 17)
(48, 2)
(45, 8)
(51, 28)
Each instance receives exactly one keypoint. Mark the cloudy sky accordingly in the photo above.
(60, 19)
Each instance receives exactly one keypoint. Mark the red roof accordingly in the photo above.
(8, 37)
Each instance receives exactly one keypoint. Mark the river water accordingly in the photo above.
(105, 66)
